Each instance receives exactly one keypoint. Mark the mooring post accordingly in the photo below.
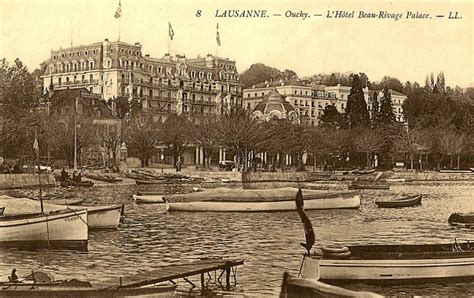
(202, 281)
(227, 278)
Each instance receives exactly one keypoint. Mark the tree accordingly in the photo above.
(142, 137)
(258, 73)
(356, 111)
(18, 103)
(390, 83)
(289, 75)
(331, 117)
(369, 141)
(413, 142)
(206, 136)
(386, 114)
(58, 137)
(452, 143)
(375, 107)
(112, 142)
(241, 132)
(440, 82)
(176, 134)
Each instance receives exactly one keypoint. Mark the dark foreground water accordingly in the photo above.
(269, 242)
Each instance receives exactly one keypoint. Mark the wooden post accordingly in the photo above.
(202, 281)
(227, 278)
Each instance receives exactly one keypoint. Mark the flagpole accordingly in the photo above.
(36, 147)
(75, 136)
(119, 27)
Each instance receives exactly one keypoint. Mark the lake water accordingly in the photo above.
(268, 242)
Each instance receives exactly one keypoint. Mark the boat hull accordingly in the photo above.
(410, 202)
(380, 271)
(66, 229)
(57, 291)
(335, 202)
(148, 199)
(103, 217)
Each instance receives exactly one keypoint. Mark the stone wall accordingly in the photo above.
(433, 176)
(283, 176)
(25, 180)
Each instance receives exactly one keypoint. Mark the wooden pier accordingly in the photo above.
(173, 272)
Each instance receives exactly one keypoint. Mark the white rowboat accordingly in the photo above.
(148, 198)
(103, 216)
(389, 263)
(64, 228)
(249, 200)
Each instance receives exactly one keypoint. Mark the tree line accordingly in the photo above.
(438, 133)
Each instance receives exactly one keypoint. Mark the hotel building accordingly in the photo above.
(310, 100)
(163, 85)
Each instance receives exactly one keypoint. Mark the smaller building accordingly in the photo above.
(309, 100)
(68, 104)
(274, 105)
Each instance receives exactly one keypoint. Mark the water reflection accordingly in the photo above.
(269, 242)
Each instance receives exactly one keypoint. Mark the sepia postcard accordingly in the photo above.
(242, 148)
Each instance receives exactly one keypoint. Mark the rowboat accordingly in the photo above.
(98, 216)
(453, 171)
(255, 200)
(366, 171)
(103, 177)
(405, 201)
(398, 180)
(368, 186)
(147, 182)
(70, 182)
(144, 198)
(63, 228)
(304, 287)
(81, 289)
(392, 263)
(462, 219)
(103, 216)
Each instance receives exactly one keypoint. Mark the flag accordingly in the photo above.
(218, 37)
(118, 13)
(35, 145)
(170, 31)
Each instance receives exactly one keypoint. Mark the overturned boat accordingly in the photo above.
(257, 200)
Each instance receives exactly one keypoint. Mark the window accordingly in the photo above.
(91, 64)
(91, 78)
(111, 51)
(342, 106)
(83, 77)
(122, 51)
(86, 53)
(59, 81)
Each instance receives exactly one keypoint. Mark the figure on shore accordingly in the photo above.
(13, 277)
(64, 175)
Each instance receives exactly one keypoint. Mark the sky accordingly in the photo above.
(407, 48)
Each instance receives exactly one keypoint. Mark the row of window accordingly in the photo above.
(75, 66)
(75, 54)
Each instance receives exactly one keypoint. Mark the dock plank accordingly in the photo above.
(169, 272)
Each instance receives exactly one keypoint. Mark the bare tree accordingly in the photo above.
(452, 143)
(141, 135)
(369, 141)
(206, 136)
(413, 142)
